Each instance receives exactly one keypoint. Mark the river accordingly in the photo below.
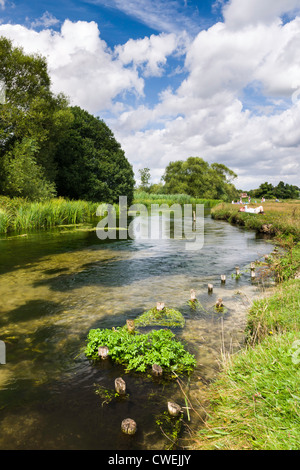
(56, 285)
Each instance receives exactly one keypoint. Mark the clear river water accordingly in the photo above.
(56, 285)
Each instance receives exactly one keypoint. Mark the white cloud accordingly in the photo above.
(239, 13)
(2, 4)
(170, 16)
(205, 117)
(150, 53)
(80, 64)
(47, 20)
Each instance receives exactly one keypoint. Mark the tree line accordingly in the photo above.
(281, 191)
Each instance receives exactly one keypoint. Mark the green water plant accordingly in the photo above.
(139, 352)
(167, 317)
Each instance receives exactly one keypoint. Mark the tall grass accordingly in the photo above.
(142, 197)
(20, 215)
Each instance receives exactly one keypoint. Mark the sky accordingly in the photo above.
(172, 79)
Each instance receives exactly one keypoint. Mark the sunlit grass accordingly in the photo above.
(284, 217)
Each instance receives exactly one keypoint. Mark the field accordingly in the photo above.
(280, 218)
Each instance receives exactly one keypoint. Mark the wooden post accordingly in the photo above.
(237, 270)
(156, 370)
(160, 306)
(194, 216)
(130, 325)
(252, 266)
(103, 352)
(210, 287)
(173, 408)
(253, 275)
(128, 426)
(193, 295)
(223, 278)
(219, 303)
(120, 386)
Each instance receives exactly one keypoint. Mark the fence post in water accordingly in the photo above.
(120, 386)
(173, 408)
(128, 426)
(237, 270)
(219, 303)
(223, 278)
(252, 266)
(103, 352)
(210, 288)
(160, 306)
(193, 295)
(252, 275)
(156, 370)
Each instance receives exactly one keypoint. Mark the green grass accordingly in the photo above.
(18, 215)
(283, 218)
(255, 402)
(141, 197)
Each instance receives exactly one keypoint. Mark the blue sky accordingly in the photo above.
(177, 78)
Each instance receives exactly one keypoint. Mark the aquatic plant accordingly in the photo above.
(140, 351)
(167, 317)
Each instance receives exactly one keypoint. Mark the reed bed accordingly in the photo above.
(18, 215)
(141, 197)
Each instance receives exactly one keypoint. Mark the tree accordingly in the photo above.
(32, 119)
(145, 179)
(197, 178)
(47, 147)
(90, 162)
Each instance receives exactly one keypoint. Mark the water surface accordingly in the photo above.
(57, 285)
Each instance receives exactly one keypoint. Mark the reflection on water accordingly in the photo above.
(57, 285)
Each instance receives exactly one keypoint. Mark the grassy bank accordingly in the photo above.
(281, 218)
(141, 197)
(17, 214)
(255, 402)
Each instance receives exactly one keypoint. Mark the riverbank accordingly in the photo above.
(279, 218)
(255, 404)
(19, 215)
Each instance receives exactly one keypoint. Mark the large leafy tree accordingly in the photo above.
(47, 147)
(90, 162)
(32, 120)
(199, 179)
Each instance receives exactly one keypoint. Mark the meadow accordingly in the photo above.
(279, 218)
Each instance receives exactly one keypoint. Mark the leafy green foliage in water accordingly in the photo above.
(140, 351)
(168, 317)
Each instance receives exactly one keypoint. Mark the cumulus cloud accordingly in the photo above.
(206, 115)
(151, 53)
(239, 13)
(80, 63)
